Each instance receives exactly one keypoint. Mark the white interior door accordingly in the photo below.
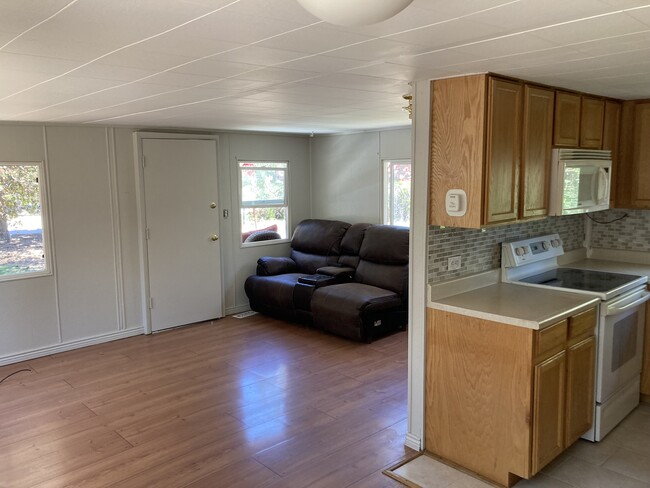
(182, 219)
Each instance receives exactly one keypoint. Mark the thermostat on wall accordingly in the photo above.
(456, 203)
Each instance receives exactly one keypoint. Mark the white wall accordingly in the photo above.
(95, 292)
(84, 300)
(82, 218)
(346, 173)
(28, 308)
(255, 147)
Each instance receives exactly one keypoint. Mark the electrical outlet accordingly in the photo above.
(453, 263)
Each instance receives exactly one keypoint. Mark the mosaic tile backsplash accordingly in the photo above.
(481, 251)
(629, 234)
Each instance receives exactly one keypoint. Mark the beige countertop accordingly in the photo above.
(518, 305)
(483, 296)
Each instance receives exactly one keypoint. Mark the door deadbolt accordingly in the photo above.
(214, 237)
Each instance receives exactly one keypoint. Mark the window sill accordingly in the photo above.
(25, 276)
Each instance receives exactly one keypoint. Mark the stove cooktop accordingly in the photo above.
(581, 279)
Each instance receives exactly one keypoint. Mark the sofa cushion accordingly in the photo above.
(274, 291)
(390, 277)
(309, 263)
(338, 301)
(351, 244)
(337, 308)
(315, 236)
(271, 265)
(386, 244)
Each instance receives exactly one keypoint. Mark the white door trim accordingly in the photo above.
(138, 136)
(418, 265)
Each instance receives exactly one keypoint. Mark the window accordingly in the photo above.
(397, 192)
(22, 237)
(263, 200)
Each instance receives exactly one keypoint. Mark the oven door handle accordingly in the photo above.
(635, 303)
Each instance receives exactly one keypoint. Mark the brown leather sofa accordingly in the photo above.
(350, 280)
(315, 244)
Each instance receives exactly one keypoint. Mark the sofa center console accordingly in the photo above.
(306, 286)
(318, 280)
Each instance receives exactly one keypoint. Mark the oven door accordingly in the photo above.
(620, 342)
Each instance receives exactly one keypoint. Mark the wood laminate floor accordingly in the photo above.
(253, 403)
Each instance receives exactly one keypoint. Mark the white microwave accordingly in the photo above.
(580, 181)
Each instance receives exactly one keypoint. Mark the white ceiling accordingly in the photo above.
(270, 65)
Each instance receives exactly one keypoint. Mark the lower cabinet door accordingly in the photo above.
(580, 389)
(548, 410)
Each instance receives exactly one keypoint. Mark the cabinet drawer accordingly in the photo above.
(582, 324)
(551, 340)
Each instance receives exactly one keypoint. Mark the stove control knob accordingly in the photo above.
(525, 248)
(556, 243)
(546, 245)
(519, 251)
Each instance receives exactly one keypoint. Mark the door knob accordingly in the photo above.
(213, 205)
(214, 237)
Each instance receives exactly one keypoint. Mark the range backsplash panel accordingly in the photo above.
(481, 250)
(629, 234)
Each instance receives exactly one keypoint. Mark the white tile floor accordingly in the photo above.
(621, 460)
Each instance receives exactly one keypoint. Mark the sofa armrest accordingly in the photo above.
(270, 266)
(343, 273)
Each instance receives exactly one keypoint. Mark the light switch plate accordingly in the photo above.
(453, 263)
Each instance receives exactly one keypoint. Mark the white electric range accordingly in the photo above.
(533, 262)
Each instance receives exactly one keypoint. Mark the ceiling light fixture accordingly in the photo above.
(354, 12)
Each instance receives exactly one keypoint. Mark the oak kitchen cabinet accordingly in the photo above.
(502, 400)
(592, 116)
(611, 139)
(536, 149)
(633, 173)
(579, 120)
(567, 119)
(492, 138)
(482, 127)
(503, 151)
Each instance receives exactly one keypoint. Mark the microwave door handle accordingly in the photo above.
(635, 303)
(603, 183)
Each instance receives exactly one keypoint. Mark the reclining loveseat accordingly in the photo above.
(350, 280)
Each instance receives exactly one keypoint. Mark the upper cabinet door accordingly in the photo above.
(536, 150)
(457, 147)
(567, 119)
(591, 122)
(611, 131)
(640, 177)
(503, 150)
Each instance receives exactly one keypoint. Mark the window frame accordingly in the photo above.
(285, 204)
(45, 223)
(392, 189)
